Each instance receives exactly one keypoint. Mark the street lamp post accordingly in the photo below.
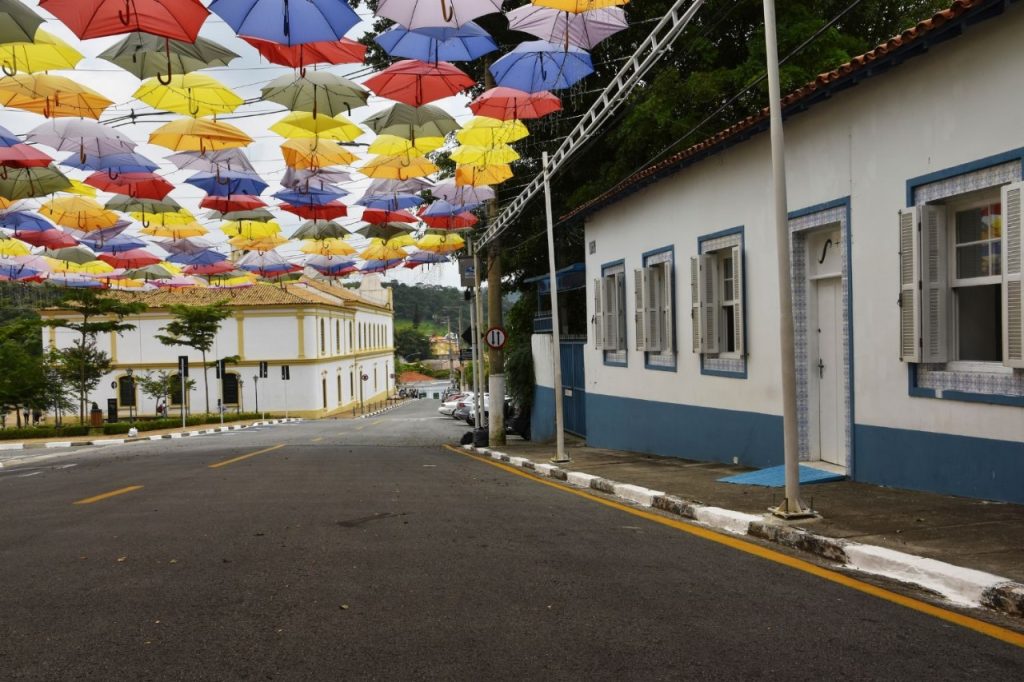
(256, 389)
(131, 387)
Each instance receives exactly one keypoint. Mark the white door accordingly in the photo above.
(827, 372)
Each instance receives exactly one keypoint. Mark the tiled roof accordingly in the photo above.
(261, 294)
(799, 99)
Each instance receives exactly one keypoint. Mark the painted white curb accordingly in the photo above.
(725, 519)
(12, 446)
(578, 478)
(637, 494)
(59, 444)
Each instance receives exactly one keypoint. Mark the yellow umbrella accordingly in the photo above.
(14, 247)
(312, 152)
(198, 135)
(46, 53)
(127, 284)
(194, 94)
(238, 281)
(304, 124)
(175, 231)
(332, 246)
(78, 212)
(78, 187)
(482, 175)
(267, 243)
(440, 243)
(484, 156)
(379, 250)
(93, 267)
(401, 167)
(579, 6)
(483, 131)
(250, 229)
(392, 145)
(51, 96)
(167, 218)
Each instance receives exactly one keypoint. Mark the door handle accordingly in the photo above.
(821, 369)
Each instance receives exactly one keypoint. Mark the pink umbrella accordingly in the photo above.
(415, 14)
(509, 104)
(175, 282)
(416, 83)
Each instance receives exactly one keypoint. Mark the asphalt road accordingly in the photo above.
(365, 550)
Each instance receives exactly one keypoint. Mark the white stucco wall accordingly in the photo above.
(960, 102)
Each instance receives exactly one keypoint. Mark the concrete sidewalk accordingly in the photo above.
(967, 533)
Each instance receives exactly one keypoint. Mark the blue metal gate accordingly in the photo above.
(574, 396)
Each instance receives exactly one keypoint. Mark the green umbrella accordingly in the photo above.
(145, 55)
(23, 183)
(410, 123)
(155, 271)
(385, 230)
(319, 229)
(258, 214)
(71, 254)
(316, 92)
(126, 204)
(18, 23)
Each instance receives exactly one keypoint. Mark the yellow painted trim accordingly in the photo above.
(300, 321)
(112, 493)
(979, 626)
(53, 337)
(217, 465)
(113, 347)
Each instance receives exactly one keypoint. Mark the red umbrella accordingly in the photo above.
(131, 259)
(328, 211)
(136, 185)
(460, 221)
(235, 202)
(174, 19)
(344, 51)
(416, 83)
(509, 104)
(376, 216)
(23, 156)
(218, 268)
(51, 239)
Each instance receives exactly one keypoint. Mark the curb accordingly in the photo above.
(381, 411)
(956, 584)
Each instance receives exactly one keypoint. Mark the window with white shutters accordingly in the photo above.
(598, 318)
(1012, 247)
(717, 304)
(610, 313)
(655, 294)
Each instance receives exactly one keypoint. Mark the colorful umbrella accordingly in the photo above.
(381, 250)
(317, 197)
(482, 175)
(175, 231)
(585, 29)
(126, 204)
(87, 138)
(74, 254)
(377, 216)
(211, 162)
(316, 92)
(227, 183)
(462, 195)
(81, 213)
(50, 239)
(117, 244)
(198, 135)
(390, 202)
(579, 6)
(51, 96)
(372, 266)
(418, 258)
(462, 44)
(328, 247)
(318, 178)
(398, 167)
(417, 83)
(14, 247)
(45, 52)
(23, 183)
(384, 231)
(331, 266)
(287, 23)
(484, 156)
(307, 153)
(7, 138)
(226, 204)
(126, 162)
(392, 145)
(440, 243)
(538, 65)
(409, 122)
(459, 221)
(484, 131)
(146, 56)
(23, 156)
(146, 185)
(416, 14)
(326, 211)
(174, 19)
(134, 258)
(342, 51)
(303, 124)
(194, 94)
(319, 229)
(17, 23)
(250, 229)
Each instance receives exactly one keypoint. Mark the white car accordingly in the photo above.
(448, 406)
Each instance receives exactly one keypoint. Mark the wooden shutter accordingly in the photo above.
(910, 293)
(652, 294)
(666, 312)
(598, 316)
(612, 311)
(934, 284)
(695, 303)
(709, 308)
(737, 294)
(640, 308)
(1012, 242)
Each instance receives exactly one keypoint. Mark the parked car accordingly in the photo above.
(448, 406)
(471, 416)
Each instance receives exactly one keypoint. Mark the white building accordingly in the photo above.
(905, 195)
(337, 344)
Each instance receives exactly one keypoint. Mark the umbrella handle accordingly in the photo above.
(193, 111)
(11, 68)
(81, 152)
(145, 222)
(447, 11)
(160, 76)
(113, 175)
(287, 21)
(3, 172)
(302, 72)
(126, 16)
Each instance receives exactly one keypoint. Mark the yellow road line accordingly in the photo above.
(378, 421)
(980, 626)
(318, 439)
(241, 457)
(112, 493)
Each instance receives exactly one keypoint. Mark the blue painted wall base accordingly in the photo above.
(700, 433)
(542, 414)
(942, 463)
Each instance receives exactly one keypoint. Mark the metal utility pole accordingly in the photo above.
(448, 342)
(462, 364)
(792, 506)
(556, 334)
(478, 373)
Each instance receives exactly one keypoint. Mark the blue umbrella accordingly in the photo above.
(390, 202)
(537, 65)
(14, 270)
(228, 182)
(7, 138)
(426, 258)
(443, 208)
(381, 265)
(327, 265)
(290, 23)
(25, 222)
(316, 197)
(442, 44)
(115, 244)
(204, 257)
(128, 162)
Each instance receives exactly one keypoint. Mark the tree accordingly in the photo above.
(82, 366)
(412, 344)
(196, 327)
(99, 315)
(21, 380)
(55, 395)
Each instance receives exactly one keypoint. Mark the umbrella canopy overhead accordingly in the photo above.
(399, 167)
(583, 29)
(310, 153)
(342, 51)
(319, 229)
(146, 185)
(579, 6)
(318, 92)
(193, 94)
(288, 23)
(17, 23)
(24, 183)
(305, 124)
(126, 162)
(402, 120)
(175, 19)
(417, 83)
(198, 135)
(461, 44)
(147, 56)
(23, 156)
(416, 14)
(51, 96)
(211, 162)
(45, 52)
(538, 65)
(88, 138)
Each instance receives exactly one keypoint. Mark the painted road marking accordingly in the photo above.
(377, 422)
(241, 457)
(980, 626)
(112, 493)
(318, 439)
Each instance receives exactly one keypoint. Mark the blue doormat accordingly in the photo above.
(775, 477)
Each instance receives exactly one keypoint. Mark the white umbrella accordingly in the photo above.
(414, 14)
(582, 30)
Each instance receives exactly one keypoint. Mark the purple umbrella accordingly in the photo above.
(416, 14)
(289, 23)
(585, 29)
(213, 161)
(537, 65)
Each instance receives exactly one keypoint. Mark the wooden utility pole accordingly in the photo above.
(496, 356)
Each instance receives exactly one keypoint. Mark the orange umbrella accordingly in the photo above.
(51, 96)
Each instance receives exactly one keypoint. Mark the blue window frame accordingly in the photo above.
(664, 361)
(720, 364)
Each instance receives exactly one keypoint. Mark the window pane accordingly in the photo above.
(126, 392)
(973, 261)
(980, 323)
(728, 344)
(230, 389)
(978, 224)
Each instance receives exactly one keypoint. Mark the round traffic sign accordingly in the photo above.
(495, 337)
(365, 377)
